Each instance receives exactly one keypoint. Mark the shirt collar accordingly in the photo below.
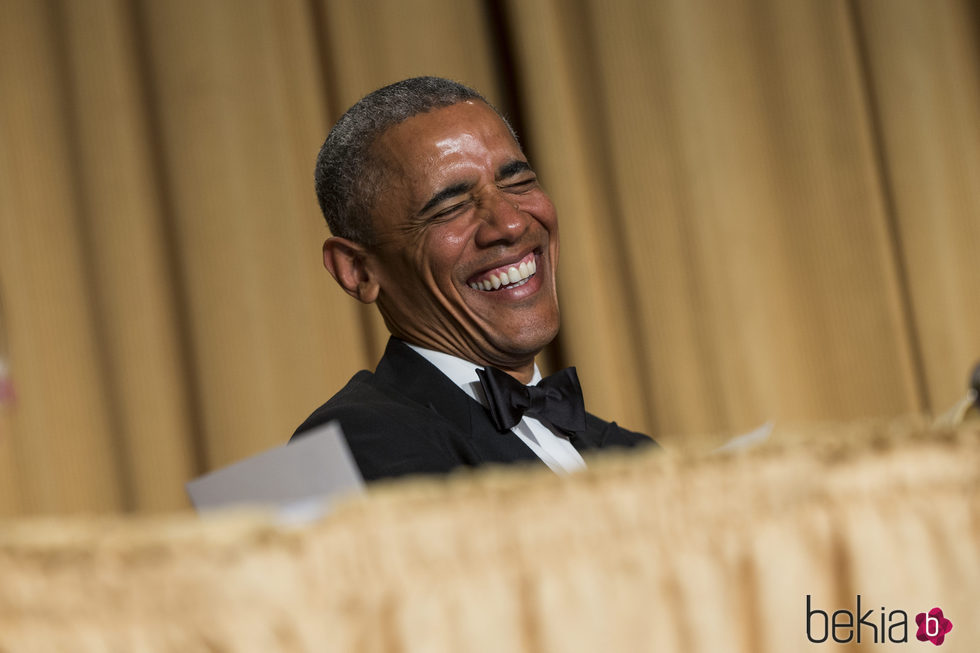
(462, 372)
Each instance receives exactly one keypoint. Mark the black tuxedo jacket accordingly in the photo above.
(410, 418)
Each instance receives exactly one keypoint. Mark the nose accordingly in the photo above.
(502, 220)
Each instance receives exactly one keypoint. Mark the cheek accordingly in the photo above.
(540, 206)
(453, 241)
(444, 248)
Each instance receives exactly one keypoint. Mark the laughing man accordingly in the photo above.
(439, 220)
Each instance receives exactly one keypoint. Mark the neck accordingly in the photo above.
(522, 370)
(524, 373)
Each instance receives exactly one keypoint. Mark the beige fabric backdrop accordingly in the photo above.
(767, 213)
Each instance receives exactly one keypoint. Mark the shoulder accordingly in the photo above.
(388, 434)
(611, 434)
(362, 400)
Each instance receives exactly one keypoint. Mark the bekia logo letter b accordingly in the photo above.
(932, 626)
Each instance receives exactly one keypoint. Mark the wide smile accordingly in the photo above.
(505, 277)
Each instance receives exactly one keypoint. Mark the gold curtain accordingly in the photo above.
(768, 212)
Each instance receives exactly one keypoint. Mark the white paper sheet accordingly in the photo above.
(298, 479)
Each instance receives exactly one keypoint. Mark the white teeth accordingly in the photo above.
(514, 276)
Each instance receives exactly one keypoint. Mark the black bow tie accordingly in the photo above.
(556, 399)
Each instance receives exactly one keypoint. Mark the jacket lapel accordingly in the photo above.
(414, 377)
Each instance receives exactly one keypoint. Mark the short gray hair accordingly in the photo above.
(348, 177)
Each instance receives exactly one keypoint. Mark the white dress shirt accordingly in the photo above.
(547, 443)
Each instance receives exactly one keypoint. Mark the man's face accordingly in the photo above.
(467, 241)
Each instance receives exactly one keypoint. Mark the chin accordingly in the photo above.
(527, 343)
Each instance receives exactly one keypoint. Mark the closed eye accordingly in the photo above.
(521, 185)
(449, 211)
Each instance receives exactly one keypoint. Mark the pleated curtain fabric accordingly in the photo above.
(767, 212)
(658, 551)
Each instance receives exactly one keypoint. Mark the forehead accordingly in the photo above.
(431, 145)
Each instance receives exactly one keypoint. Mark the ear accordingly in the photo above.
(346, 261)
